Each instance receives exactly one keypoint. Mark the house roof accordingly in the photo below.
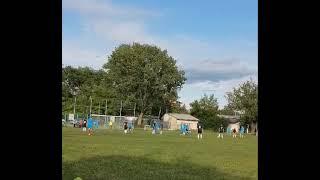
(183, 116)
(230, 119)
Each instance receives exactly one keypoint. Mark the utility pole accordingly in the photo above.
(120, 108)
(105, 119)
(90, 105)
(99, 109)
(74, 105)
(134, 110)
(75, 92)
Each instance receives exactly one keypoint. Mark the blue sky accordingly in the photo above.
(214, 41)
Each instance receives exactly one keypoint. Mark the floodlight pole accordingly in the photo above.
(99, 109)
(90, 105)
(120, 108)
(74, 105)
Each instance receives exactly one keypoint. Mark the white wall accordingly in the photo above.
(192, 124)
(169, 122)
(174, 124)
(166, 118)
(235, 125)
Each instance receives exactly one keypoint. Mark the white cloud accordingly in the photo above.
(193, 91)
(105, 8)
(124, 24)
(73, 54)
(120, 32)
(213, 70)
(111, 24)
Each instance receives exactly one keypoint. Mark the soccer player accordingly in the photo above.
(110, 124)
(130, 127)
(125, 127)
(80, 123)
(90, 124)
(200, 131)
(84, 125)
(154, 127)
(187, 129)
(181, 129)
(229, 131)
(241, 132)
(234, 131)
(220, 135)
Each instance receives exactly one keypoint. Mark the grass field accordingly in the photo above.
(141, 155)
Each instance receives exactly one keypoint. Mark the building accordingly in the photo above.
(233, 121)
(172, 121)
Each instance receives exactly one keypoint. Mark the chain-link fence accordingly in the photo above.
(117, 122)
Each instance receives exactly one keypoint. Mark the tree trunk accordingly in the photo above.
(253, 128)
(140, 119)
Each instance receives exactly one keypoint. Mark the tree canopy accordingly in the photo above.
(83, 83)
(245, 99)
(145, 75)
(206, 109)
(147, 78)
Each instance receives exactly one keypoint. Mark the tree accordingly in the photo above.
(145, 74)
(88, 83)
(183, 109)
(245, 99)
(206, 109)
(177, 107)
(227, 110)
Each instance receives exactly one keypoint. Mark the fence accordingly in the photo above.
(117, 121)
(103, 120)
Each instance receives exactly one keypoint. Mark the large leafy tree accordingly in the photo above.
(145, 74)
(179, 108)
(245, 99)
(227, 110)
(83, 83)
(175, 107)
(206, 109)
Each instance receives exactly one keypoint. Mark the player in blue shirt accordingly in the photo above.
(241, 132)
(90, 126)
(229, 131)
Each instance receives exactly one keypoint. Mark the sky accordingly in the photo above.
(214, 41)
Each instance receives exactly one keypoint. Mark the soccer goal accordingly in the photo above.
(102, 121)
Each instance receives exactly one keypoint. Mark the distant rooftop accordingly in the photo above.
(230, 119)
(183, 116)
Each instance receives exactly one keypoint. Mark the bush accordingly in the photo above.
(213, 122)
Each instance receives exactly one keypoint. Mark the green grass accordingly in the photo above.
(141, 155)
